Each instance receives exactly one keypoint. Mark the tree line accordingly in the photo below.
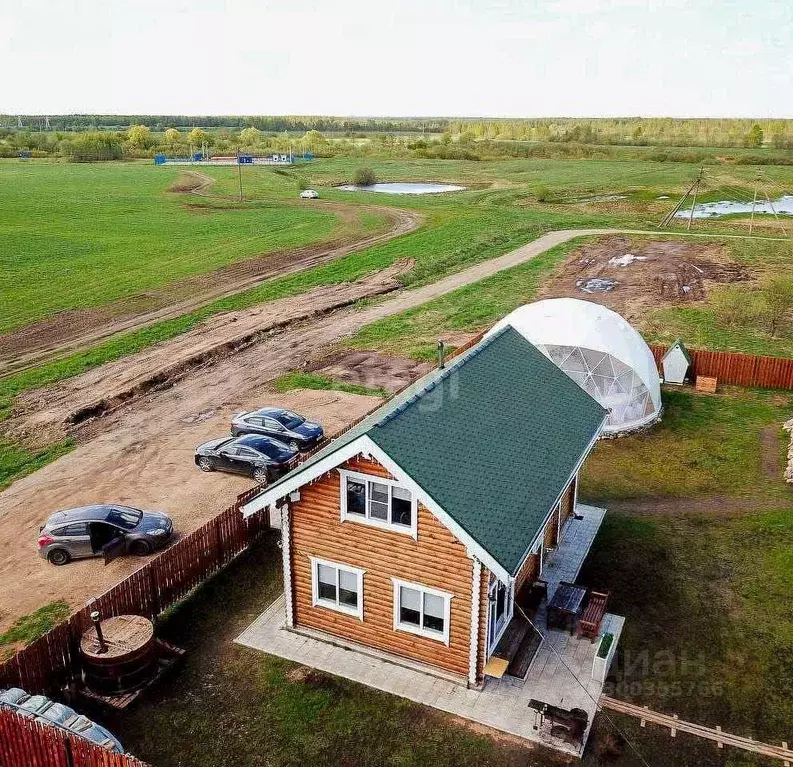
(631, 131)
(141, 141)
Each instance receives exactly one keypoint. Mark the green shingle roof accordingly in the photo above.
(493, 439)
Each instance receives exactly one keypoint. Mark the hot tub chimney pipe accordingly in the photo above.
(97, 621)
(441, 354)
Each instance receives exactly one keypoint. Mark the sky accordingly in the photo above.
(497, 58)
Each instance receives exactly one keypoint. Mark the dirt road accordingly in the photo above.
(72, 330)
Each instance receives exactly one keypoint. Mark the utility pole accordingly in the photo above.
(239, 170)
(754, 201)
(694, 203)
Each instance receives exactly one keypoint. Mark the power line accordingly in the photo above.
(583, 687)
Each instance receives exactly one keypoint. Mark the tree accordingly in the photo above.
(139, 136)
(364, 177)
(754, 137)
(777, 295)
(197, 136)
(172, 137)
(250, 136)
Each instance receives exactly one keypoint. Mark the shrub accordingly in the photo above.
(542, 193)
(364, 177)
(736, 306)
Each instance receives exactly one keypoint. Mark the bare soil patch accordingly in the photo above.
(632, 276)
(371, 369)
(47, 415)
(772, 452)
(145, 460)
(73, 329)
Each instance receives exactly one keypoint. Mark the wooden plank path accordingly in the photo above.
(716, 734)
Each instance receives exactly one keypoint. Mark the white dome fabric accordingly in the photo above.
(600, 351)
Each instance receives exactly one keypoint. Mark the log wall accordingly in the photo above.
(435, 559)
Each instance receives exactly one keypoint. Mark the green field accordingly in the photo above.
(76, 236)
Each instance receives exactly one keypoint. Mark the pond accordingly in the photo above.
(403, 187)
(782, 205)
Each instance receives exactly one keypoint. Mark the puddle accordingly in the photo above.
(596, 285)
(625, 260)
(406, 187)
(782, 205)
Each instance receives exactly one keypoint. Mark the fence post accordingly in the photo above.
(153, 583)
(67, 749)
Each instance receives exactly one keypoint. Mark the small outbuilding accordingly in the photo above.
(676, 363)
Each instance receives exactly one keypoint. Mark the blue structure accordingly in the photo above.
(159, 159)
(245, 159)
(198, 156)
(25, 154)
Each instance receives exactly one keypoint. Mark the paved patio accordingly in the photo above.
(560, 674)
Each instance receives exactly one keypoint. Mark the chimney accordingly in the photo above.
(441, 354)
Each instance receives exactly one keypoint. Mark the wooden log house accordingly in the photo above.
(414, 533)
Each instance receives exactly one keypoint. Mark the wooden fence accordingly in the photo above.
(738, 369)
(53, 661)
(25, 743)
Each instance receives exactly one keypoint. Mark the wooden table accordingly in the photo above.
(565, 606)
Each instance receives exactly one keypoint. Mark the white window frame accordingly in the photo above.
(412, 530)
(438, 636)
(316, 601)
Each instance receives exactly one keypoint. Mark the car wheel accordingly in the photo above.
(261, 476)
(59, 557)
(205, 463)
(294, 444)
(140, 548)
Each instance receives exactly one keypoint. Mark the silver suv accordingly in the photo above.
(103, 530)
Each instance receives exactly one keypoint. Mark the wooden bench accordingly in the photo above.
(589, 622)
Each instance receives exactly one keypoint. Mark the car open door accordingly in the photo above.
(114, 548)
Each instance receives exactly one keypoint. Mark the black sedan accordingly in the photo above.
(262, 458)
(283, 425)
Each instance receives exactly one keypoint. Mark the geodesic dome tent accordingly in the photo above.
(600, 351)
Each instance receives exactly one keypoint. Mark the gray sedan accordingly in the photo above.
(103, 530)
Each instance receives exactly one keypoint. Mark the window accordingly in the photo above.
(339, 587)
(376, 501)
(272, 424)
(421, 610)
(76, 528)
(125, 517)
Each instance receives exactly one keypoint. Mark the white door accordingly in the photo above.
(499, 612)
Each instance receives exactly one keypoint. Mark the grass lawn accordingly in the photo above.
(325, 383)
(81, 235)
(30, 627)
(474, 307)
(706, 444)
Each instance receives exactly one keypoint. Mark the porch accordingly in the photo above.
(560, 673)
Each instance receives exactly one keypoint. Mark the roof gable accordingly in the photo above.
(491, 441)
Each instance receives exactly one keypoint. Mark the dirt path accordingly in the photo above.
(71, 330)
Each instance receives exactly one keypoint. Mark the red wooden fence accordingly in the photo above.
(53, 661)
(25, 743)
(738, 369)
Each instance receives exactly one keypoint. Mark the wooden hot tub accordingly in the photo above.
(130, 659)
